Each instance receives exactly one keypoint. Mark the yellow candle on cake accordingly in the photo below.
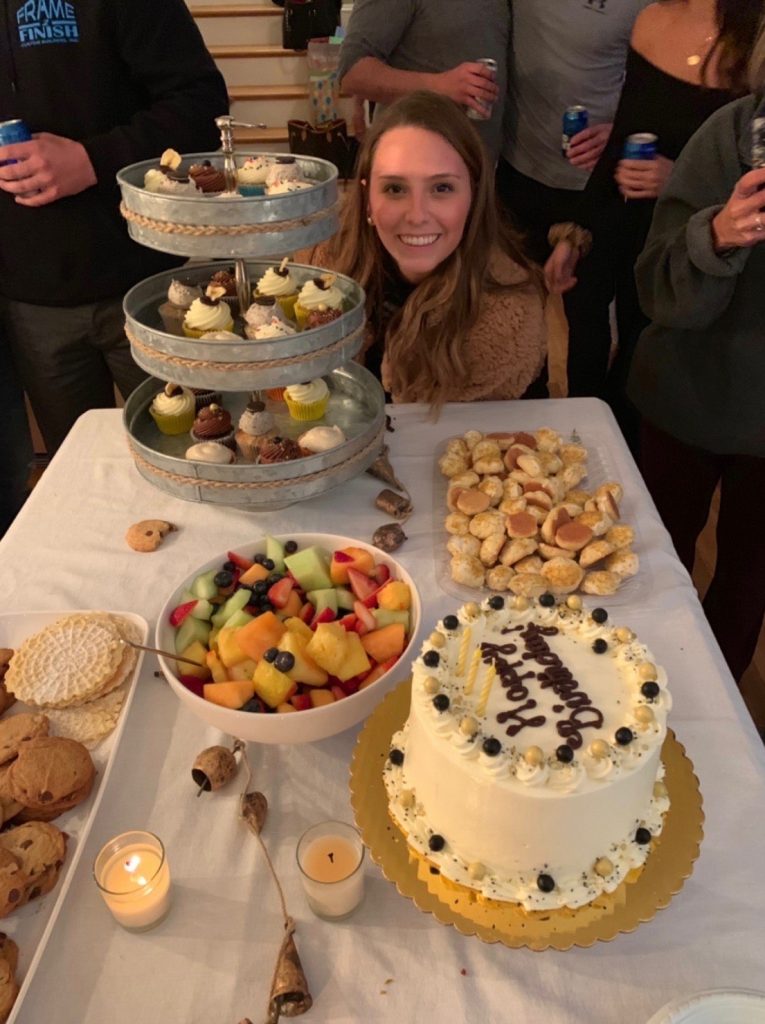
(475, 662)
(488, 681)
(467, 634)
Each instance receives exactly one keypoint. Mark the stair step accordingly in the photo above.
(235, 11)
(255, 52)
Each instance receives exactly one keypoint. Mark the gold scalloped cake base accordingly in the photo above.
(669, 864)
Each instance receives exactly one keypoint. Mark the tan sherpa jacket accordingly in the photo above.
(507, 347)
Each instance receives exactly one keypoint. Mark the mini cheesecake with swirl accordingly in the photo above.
(529, 768)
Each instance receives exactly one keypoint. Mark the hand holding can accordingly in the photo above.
(474, 115)
(12, 132)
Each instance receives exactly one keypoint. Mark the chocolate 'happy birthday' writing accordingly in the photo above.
(555, 676)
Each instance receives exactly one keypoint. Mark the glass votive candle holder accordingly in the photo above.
(133, 876)
(330, 856)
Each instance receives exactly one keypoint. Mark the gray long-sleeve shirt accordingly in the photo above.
(432, 36)
(699, 369)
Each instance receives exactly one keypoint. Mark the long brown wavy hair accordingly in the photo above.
(425, 339)
(738, 22)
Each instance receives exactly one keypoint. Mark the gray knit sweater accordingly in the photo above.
(699, 369)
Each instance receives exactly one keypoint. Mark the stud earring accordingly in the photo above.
(369, 220)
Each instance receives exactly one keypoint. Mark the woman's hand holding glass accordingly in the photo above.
(741, 222)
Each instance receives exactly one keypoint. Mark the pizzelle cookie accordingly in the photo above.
(51, 774)
(88, 723)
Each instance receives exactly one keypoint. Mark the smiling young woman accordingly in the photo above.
(455, 310)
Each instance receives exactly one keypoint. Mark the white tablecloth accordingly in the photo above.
(210, 962)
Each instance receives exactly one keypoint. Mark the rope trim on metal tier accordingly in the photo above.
(230, 485)
(168, 227)
(265, 364)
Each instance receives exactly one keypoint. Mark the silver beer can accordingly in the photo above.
(491, 64)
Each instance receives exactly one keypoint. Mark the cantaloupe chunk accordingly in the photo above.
(255, 573)
(234, 693)
(377, 671)
(385, 643)
(292, 607)
(395, 596)
(350, 558)
(257, 636)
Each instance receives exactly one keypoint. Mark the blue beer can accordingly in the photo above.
(642, 146)
(12, 132)
(575, 119)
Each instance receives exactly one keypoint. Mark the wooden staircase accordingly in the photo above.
(266, 83)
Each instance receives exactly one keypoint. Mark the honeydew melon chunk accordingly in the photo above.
(203, 609)
(235, 603)
(310, 567)
(189, 631)
(322, 599)
(204, 585)
(275, 551)
(385, 616)
(345, 598)
(240, 618)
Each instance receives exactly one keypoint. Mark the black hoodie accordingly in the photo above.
(128, 79)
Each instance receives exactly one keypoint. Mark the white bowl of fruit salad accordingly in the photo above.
(297, 638)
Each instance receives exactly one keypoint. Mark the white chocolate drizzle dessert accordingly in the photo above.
(529, 768)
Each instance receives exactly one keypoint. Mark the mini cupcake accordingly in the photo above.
(203, 397)
(271, 331)
(180, 295)
(307, 401)
(256, 428)
(213, 423)
(322, 315)
(279, 283)
(209, 451)
(318, 291)
(208, 179)
(283, 188)
(168, 179)
(173, 409)
(208, 313)
(227, 279)
(280, 449)
(251, 176)
(220, 336)
(263, 310)
(321, 439)
(284, 168)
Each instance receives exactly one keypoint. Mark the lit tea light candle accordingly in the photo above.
(330, 857)
(133, 876)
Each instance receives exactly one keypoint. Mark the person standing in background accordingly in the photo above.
(687, 58)
(562, 54)
(394, 47)
(100, 84)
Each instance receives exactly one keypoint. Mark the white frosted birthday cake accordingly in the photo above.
(529, 768)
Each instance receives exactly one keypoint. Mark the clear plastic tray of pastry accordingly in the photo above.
(234, 365)
(31, 925)
(600, 470)
(216, 225)
(356, 405)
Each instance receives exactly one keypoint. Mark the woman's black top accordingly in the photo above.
(652, 101)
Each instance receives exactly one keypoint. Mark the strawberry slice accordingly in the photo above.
(177, 615)
(348, 622)
(349, 686)
(279, 593)
(364, 616)
(339, 692)
(300, 701)
(361, 585)
(307, 612)
(381, 574)
(240, 561)
(326, 615)
(342, 556)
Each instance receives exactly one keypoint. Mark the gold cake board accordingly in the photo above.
(669, 864)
